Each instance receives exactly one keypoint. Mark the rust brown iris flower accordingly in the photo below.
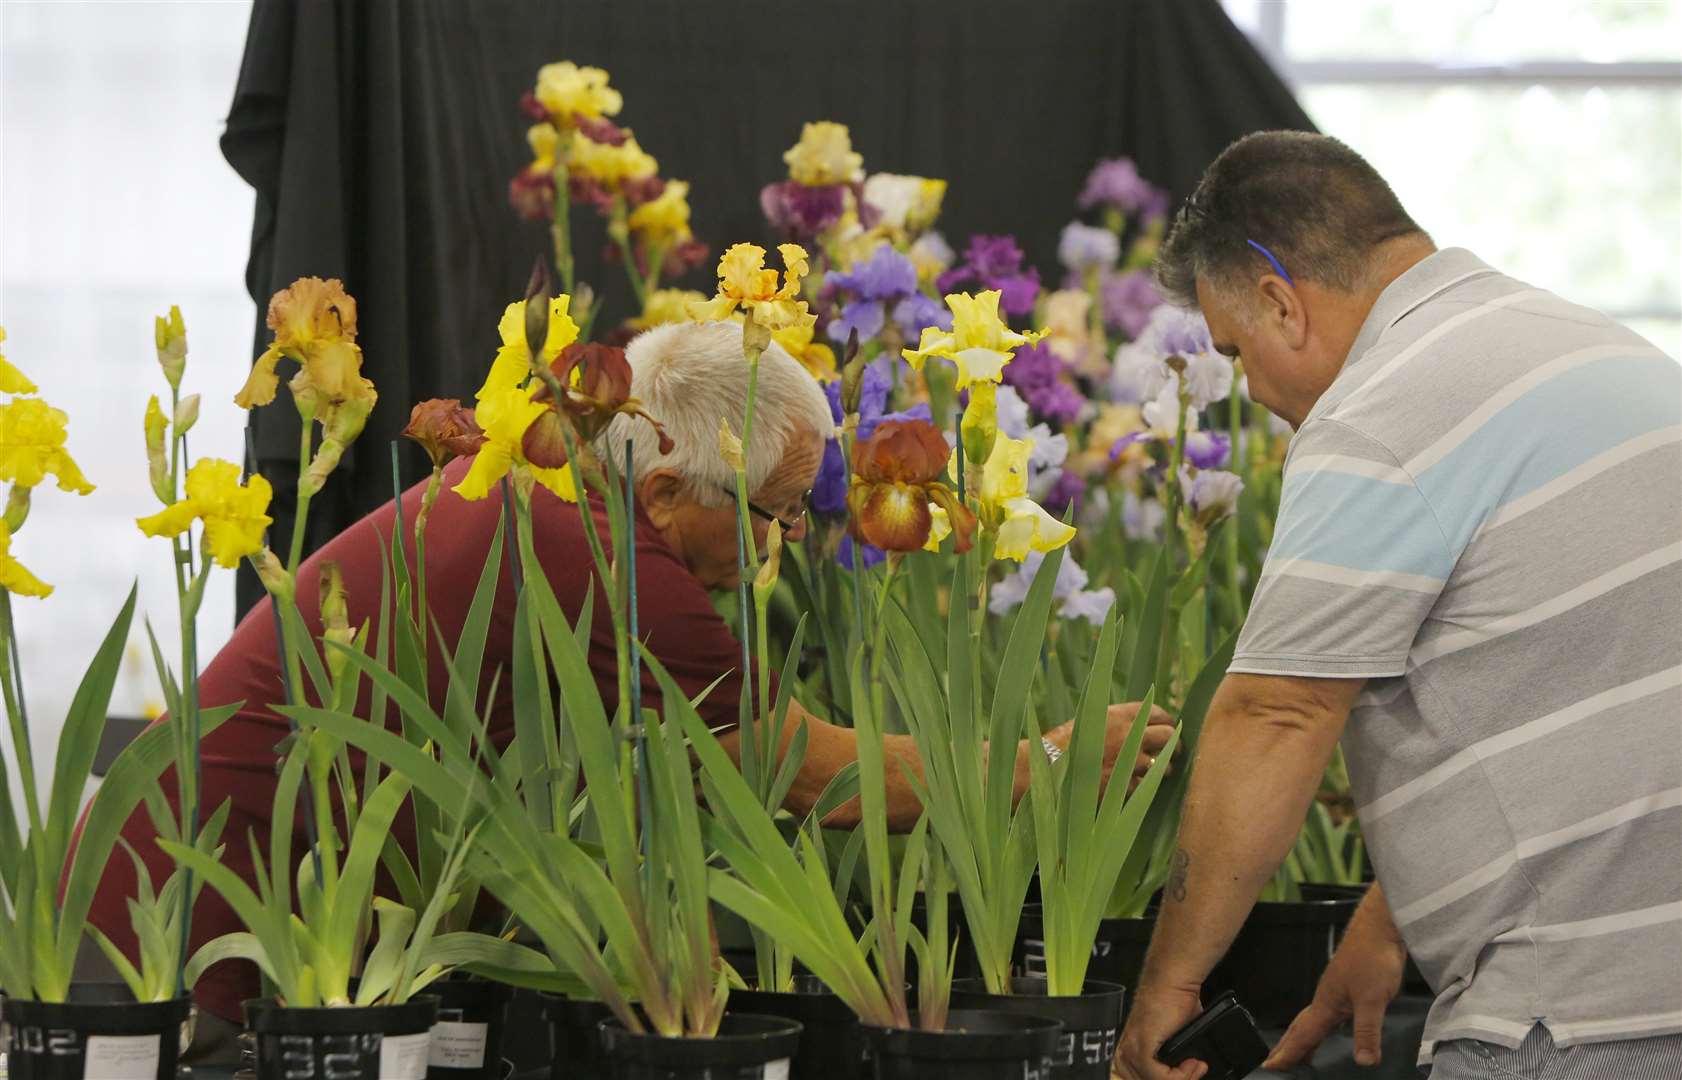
(595, 380)
(896, 475)
(444, 430)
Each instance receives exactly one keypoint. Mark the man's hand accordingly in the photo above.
(1359, 984)
(1155, 1015)
(1120, 724)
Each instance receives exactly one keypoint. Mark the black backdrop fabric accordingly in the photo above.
(380, 136)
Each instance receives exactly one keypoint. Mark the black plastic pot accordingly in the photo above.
(831, 1042)
(976, 1045)
(575, 1037)
(351, 1042)
(1278, 957)
(466, 1041)
(747, 1047)
(101, 1033)
(1091, 1020)
(1118, 953)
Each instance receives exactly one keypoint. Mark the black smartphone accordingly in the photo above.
(1223, 1037)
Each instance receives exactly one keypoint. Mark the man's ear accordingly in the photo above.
(1283, 310)
(659, 493)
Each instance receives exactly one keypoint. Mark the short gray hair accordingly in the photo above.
(1309, 199)
(691, 377)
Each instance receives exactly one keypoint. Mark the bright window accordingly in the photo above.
(1545, 135)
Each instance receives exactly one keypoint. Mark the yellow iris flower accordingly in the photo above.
(1018, 523)
(664, 219)
(14, 576)
(513, 360)
(12, 381)
(744, 281)
(979, 343)
(667, 306)
(505, 416)
(567, 90)
(314, 323)
(32, 446)
(609, 165)
(234, 514)
(817, 358)
(824, 155)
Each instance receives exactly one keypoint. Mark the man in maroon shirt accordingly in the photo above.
(690, 376)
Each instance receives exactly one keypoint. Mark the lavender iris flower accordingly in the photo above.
(1115, 182)
(1128, 298)
(995, 262)
(1208, 449)
(1074, 600)
(886, 278)
(918, 311)
(1087, 247)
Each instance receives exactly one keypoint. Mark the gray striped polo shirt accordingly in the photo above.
(1482, 517)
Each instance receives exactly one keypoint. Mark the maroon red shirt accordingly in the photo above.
(675, 618)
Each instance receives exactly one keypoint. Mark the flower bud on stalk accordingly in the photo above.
(335, 616)
(765, 582)
(730, 447)
(157, 460)
(170, 336)
(186, 414)
(537, 311)
(755, 338)
(272, 573)
(981, 422)
(17, 508)
(852, 376)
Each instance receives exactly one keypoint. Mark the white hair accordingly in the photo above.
(693, 376)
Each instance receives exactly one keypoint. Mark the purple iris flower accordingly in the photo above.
(918, 311)
(1036, 373)
(1066, 491)
(829, 490)
(995, 262)
(802, 211)
(1208, 449)
(844, 554)
(885, 277)
(1128, 298)
(1116, 182)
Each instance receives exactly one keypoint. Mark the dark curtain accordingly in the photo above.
(380, 136)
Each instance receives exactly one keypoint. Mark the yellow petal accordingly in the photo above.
(490, 464)
(716, 309)
(780, 314)
(13, 381)
(1005, 476)
(1027, 526)
(558, 481)
(260, 385)
(69, 475)
(980, 365)
(935, 342)
(794, 263)
(508, 370)
(171, 520)
(940, 527)
(14, 576)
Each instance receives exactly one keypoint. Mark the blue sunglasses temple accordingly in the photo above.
(1274, 262)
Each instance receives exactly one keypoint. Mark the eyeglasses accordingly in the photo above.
(1273, 261)
(766, 515)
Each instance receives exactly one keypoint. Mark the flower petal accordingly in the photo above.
(261, 384)
(895, 517)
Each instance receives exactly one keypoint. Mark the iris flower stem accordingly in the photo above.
(1235, 428)
(1170, 543)
(561, 230)
(187, 761)
(301, 511)
(622, 237)
(11, 685)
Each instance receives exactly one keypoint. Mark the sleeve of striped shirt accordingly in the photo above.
(1357, 561)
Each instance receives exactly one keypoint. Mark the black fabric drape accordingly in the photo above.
(380, 136)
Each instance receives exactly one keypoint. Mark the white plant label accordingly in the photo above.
(777, 1070)
(458, 1045)
(403, 1057)
(120, 1057)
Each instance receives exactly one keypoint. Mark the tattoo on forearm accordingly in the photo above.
(1178, 867)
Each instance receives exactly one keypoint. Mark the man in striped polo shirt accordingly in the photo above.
(1475, 582)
